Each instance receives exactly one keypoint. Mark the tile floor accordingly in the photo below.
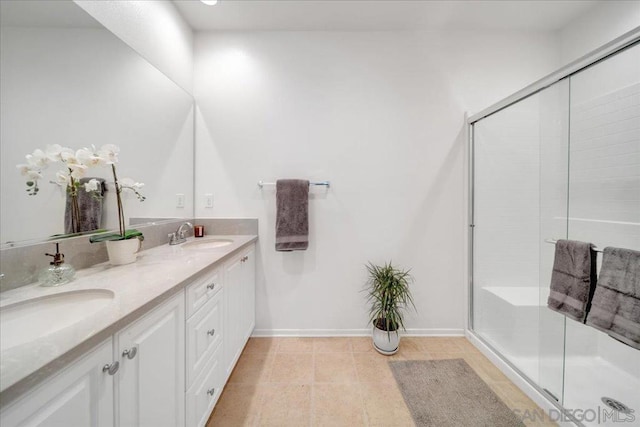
(339, 382)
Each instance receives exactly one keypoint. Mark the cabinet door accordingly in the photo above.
(204, 334)
(249, 285)
(150, 385)
(80, 395)
(205, 391)
(232, 312)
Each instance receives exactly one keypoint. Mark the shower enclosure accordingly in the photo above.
(558, 160)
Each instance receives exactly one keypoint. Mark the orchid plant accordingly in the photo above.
(108, 155)
(76, 164)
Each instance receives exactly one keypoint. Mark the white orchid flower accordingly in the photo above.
(69, 157)
(92, 185)
(78, 170)
(53, 152)
(34, 175)
(38, 159)
(130, 184)
(29, 171)
(24, 169)
(109, 153)
(134, 187)
(90, 157)
(62, 178)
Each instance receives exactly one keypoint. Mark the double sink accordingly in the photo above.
(97, 298)
(46, 315)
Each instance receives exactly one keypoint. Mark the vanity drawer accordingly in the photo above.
(204, 336)
(204, 393)
(202, 290)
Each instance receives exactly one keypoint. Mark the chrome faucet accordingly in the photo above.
(180, 235)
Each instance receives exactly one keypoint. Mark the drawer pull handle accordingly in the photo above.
(211, 286)
(111, 368)
(211, 332)
(130, 353)
(211, 391)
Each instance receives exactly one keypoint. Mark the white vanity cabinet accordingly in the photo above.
(150, 384)
(166, 368)
(222, 307)
(135, 378)
(80, 395)
(239, 273)
(205, 332)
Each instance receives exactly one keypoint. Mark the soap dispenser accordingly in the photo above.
(58, 273)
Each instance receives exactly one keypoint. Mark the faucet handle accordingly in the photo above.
(172, 237)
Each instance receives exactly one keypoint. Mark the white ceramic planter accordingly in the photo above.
(384, 342)
(123, 252)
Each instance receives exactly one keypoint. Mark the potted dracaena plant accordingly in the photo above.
(389, 296)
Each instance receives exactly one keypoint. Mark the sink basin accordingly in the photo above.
(207, 243)
(29, 320)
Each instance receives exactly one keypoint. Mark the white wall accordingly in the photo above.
(598, 26)
(381, 115)
(154, 28)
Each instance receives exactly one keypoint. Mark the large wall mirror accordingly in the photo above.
(65, 79)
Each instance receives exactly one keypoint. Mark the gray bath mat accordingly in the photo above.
(448, 393)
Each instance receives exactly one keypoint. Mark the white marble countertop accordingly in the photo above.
(158, 274)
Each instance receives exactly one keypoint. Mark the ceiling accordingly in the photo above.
(367, 15)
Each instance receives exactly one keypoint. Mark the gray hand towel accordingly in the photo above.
(616, 304)
(292, 215)
(90, 208)
(573, 279)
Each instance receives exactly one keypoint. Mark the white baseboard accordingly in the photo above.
(351, 332)
(520, 382)
(434, 332)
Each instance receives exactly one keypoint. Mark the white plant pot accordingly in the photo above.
(123, 252)
(384, 342)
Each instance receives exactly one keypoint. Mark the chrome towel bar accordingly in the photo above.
(553, 242)
(320, 183)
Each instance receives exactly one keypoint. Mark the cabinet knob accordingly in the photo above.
(111, 368)
(211, 286)
(211, 391)
(211, 332)
(130, 353)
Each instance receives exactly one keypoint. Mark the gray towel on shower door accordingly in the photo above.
(573, 279)
(616, 304)
(292, 215)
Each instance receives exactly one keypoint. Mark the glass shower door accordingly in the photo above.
(604, 208)
(520, 180)
(554, 193)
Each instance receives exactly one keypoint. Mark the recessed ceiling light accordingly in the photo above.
(209, 2)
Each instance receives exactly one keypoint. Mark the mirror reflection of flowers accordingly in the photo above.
(76, 165)
(107, 155)
(67, 178)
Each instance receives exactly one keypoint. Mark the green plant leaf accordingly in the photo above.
(389, 295)
(129, 234)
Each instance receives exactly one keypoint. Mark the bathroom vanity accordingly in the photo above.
(155, 348)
